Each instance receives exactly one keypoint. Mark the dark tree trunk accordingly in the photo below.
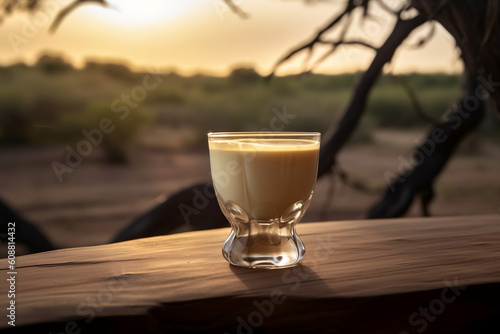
(430, 157)
(474, 25)
(357, 105)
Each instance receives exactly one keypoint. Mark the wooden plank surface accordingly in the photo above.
(357, 276)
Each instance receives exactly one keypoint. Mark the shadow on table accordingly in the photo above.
(287, 281)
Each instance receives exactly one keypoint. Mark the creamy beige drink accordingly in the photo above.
(264, 183)
(264, 177)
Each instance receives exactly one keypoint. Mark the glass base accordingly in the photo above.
(266, 245)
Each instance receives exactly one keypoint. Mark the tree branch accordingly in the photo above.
(71, 7)
(429, 158)
(475, 30)
(424, 39)
(358, 101)
(236, 9)
(417, 107)
(335, 45)
(310, 45)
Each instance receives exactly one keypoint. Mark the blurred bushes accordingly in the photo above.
(14, 122)
(52, 102)
(244, 76)
(53, 64)
(114, 71)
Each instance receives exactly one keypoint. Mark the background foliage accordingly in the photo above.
(51, 102)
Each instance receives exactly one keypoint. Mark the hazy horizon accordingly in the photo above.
(173, 70)
(196, 37)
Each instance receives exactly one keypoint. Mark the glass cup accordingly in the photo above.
(264, 183)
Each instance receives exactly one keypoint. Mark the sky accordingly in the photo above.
(204, 36)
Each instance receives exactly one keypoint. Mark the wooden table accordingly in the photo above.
(433, 275)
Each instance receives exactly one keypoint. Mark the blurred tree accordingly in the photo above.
(116, 71)
(53, 64)
(244, 75)
(474, 26)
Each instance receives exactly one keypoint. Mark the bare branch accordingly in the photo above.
(345, 28)
(307, 59)
(360, 43)
(335, 45)
(309, 46)
(71, 7)
(470, 22)
(357, 183)
(491, 23)
(417, 107)
(419, 179)
(424, 39)
(236, 9)
(9, 7)
(358, 101)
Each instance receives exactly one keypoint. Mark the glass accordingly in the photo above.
(264, 183)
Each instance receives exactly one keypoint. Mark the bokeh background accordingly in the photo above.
(164, 73)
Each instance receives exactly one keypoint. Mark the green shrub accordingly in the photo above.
(53, 64)
(37, 107)
(244, 76)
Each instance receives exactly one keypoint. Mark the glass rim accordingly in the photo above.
(234, 134)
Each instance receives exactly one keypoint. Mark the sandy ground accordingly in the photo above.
(97, 200)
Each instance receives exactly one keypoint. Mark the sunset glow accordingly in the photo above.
(193, 36)
(147, 12)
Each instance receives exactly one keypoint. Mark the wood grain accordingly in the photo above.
(357, 276)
